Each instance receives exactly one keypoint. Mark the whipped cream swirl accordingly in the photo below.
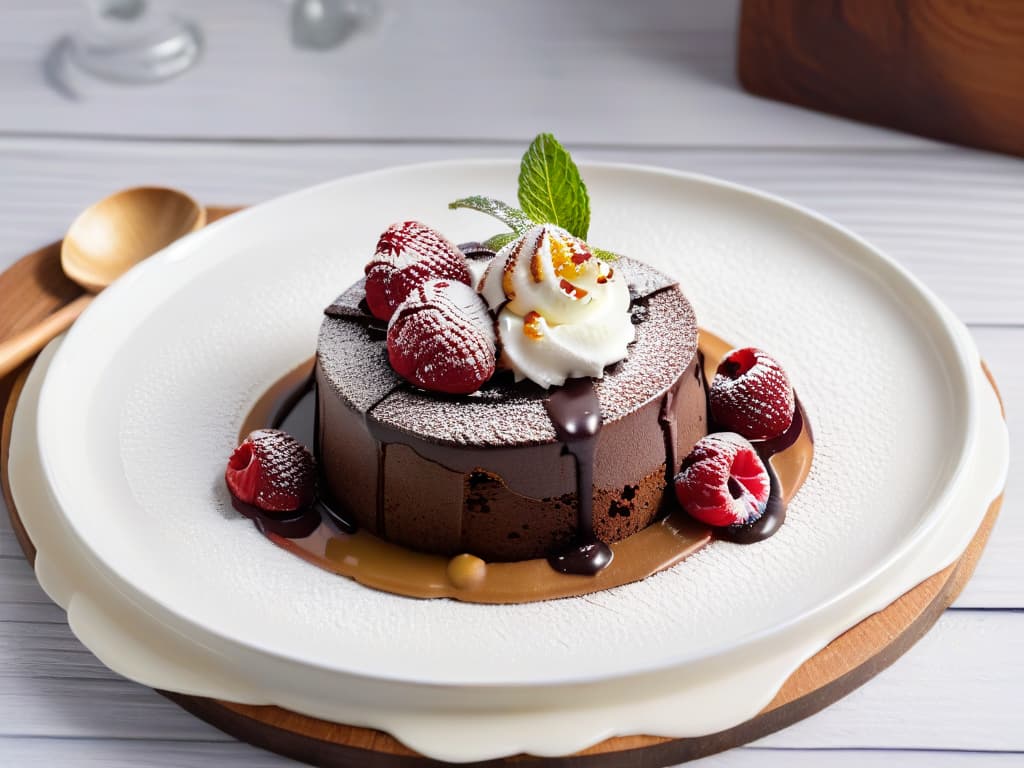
(562, 312)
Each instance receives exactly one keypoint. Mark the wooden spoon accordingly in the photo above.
(105, 241)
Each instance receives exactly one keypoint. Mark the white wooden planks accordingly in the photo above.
(590, 70)
(954, 217)
(102, 753)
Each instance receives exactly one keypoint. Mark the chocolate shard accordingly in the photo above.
(356, 364)
(643, 281)
(352, 303)
(476, 251)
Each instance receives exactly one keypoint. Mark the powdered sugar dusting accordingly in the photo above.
(354, 360)
(409, 253)
(757, 402)
(643, 280)
(499, 414)
(505, 413)
(352, 304)
(287, 469)
(441, 338)
(665, 344)
(715, 488)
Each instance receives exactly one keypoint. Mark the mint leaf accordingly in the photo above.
(518, 221)
(498, 242)
(604, 255)
(550, 187)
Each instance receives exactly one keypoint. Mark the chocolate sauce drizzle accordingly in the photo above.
(476, 251)
(576, 416)
(290, 399)
(774, 515)
(296, 525)
(323, 505)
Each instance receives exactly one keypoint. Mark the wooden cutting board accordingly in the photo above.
(947, 69)
(34, 286)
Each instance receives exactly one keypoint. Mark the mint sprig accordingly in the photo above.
(499, 241)
(550, 191)
(515, 219)
(605, 255)
(550, 187)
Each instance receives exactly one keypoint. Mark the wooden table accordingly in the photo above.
(645, 82)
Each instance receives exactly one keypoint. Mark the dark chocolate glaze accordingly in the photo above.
(768, 448)
(296, 525)
(476, 251)
(576, 416)
(330, 511)
(324, 505)
(774, 515)
(382, 448)
(767, 524)
(290, 400)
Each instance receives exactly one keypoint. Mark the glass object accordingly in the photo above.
(324, 24)
(127, 41)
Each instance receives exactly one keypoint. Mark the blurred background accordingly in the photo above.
(237, 101)
(240, 100)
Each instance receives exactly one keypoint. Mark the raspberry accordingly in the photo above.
(408, 254)
(751, 394)
(723, 481)
(273, 472)
(441, 338)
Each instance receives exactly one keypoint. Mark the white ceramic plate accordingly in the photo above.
(543, 720)
(143, 401)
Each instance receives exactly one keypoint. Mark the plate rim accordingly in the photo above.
(868, 255)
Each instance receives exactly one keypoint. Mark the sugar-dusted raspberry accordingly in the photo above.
(273, 472)
(441, 338)
(751, 394)
(723, 481)
(409, 254)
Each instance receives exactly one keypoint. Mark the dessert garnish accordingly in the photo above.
(575, 413)
(551, 191)
(751, 394)
(441, 338)
(273, 472)
(561, 312)
(723, 481)
(408, 254)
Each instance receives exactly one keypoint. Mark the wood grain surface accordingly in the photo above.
(846, 663)
(947, 69)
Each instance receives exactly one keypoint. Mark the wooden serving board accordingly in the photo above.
(35, 287)
(947, 69)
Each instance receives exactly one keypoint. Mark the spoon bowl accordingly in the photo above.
(111, 236)
(105, 241)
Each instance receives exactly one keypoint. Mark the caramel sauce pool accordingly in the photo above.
(382, 565)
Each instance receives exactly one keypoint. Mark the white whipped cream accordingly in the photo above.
(562, 312)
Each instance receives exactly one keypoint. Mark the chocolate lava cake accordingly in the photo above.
(492, 473)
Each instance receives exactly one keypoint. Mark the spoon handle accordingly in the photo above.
(17, 349)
